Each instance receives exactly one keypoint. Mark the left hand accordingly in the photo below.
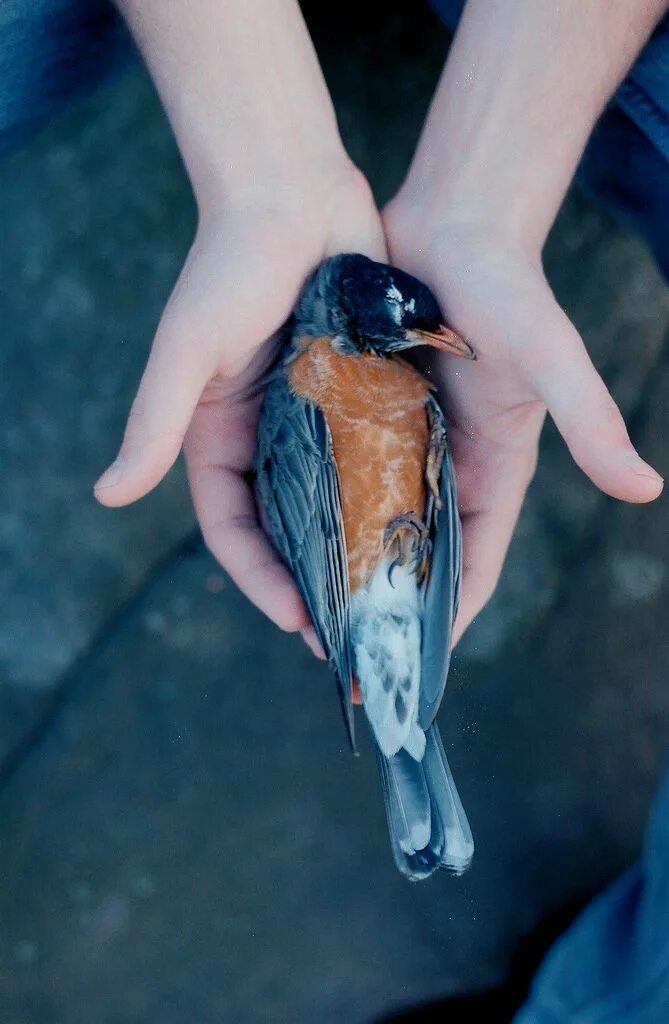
(530, 359)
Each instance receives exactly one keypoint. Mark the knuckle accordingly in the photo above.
(141, 435)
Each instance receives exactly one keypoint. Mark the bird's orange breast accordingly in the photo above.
(375, 408)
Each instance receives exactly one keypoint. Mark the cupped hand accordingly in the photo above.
(531, 359)
(214, 342)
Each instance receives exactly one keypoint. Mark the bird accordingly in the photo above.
(356, 488)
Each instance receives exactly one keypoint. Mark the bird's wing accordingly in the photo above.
(299, 490)
(442, 593)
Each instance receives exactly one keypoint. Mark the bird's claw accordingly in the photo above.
(411, 537)
(435, 454)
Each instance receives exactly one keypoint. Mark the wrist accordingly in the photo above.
(295, 179)
(425, 230)
(303, 200)
(244, 94)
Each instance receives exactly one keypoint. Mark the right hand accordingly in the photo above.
(238, 286)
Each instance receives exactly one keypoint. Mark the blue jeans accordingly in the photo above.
(52, 51)
(612, 965)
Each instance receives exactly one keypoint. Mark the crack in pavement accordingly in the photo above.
(63, 690)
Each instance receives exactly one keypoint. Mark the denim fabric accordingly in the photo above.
(626, 164)
(52, 51)
(612, 965)
(626, 171)
(644, 95)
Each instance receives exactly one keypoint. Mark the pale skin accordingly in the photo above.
(277, 193)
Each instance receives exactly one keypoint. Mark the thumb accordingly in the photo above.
(589, 419)
(212, 324)
(175, 377)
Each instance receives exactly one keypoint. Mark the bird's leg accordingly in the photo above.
(409, 536)
(436, 450)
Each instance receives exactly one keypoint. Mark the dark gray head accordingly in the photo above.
(365, 306)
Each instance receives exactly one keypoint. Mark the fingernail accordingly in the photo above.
(641, 468)
(111, 476)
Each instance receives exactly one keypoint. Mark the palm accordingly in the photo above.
(531, 358)
(202, 383)
(220, 442)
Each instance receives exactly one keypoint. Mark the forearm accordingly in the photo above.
(523, 86)
(243, 90)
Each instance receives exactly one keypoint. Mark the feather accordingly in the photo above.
(298, 487)
(427, 823)
(442, 591)
(385, 634)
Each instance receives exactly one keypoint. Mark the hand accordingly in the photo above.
(530, 359)
(515, 105)
(238, 286)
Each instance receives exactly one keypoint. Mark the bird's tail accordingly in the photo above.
(428, 826)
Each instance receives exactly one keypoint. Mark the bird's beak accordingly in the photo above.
(443, 339)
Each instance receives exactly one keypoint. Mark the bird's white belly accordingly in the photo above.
(386, 643)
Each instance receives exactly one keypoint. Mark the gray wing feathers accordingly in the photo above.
(428, 826)
(442, 595)
(298, 487)
(409, 802)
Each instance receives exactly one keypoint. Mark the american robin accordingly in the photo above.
(357, 488)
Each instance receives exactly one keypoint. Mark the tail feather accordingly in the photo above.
(428, 826)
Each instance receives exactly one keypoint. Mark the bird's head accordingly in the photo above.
(370, 307)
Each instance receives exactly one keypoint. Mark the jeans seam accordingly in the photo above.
(646, 114)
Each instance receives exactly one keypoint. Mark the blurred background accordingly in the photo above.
(183, 835)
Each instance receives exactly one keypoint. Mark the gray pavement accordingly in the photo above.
(183, 837)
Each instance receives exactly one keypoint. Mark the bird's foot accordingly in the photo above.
(436, 451)
(408, 537)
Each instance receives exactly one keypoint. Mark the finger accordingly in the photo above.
(313, 643)
(217, 450)
(174, 378)
(235, 538)
(486, 536)
(589, 419)
(492, 483)
(213, 323)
